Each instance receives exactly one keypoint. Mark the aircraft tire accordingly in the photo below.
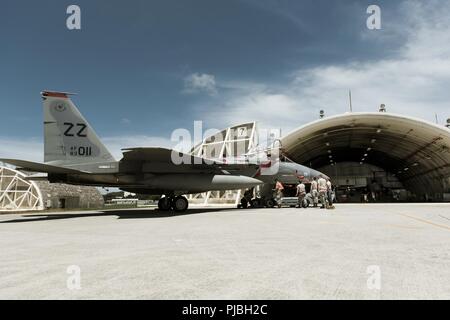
(270, 203)
(255, 203)
(180, 204)
(164, 204)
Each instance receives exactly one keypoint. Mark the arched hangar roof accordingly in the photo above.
(417, 151)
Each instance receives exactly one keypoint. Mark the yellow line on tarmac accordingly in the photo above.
(426, 221)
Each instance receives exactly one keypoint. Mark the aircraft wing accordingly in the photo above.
(163, 160)
(157, 154)
(39, 167)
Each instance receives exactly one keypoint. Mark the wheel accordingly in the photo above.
(255, 203)
(164, 204)
(270, 203)
(180, 204)
(244, 203)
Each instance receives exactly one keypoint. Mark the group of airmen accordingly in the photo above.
(321, 190)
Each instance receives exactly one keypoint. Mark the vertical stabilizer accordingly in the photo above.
(68, 137)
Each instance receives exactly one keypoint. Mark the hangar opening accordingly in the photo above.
(376, 156)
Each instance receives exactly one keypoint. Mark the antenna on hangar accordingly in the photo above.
(350, 100)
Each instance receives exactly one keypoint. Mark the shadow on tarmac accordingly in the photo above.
(121, 214)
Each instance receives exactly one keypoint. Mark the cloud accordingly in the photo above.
(125, 121)
(271, 110)
(413, 82)
(196, 82)
(29, 149)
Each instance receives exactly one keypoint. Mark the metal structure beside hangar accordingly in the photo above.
(17, 193)
(231, 142)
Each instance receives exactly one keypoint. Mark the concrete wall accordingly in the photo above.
(56, 195)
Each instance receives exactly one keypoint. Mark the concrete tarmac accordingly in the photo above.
(370, 251)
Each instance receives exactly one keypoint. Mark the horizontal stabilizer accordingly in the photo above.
(39, 167)
(37, 177)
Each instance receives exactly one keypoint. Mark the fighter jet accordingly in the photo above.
(74, 154)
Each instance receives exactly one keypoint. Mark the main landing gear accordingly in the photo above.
(178, 204)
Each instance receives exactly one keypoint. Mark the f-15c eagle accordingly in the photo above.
(74, 154)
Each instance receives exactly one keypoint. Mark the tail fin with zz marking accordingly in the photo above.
(68, 137)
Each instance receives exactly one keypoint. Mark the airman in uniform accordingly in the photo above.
(322, 185)
(301, 193)
(314, 191)
(279, 191)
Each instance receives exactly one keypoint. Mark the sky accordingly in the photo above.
(142, 69)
